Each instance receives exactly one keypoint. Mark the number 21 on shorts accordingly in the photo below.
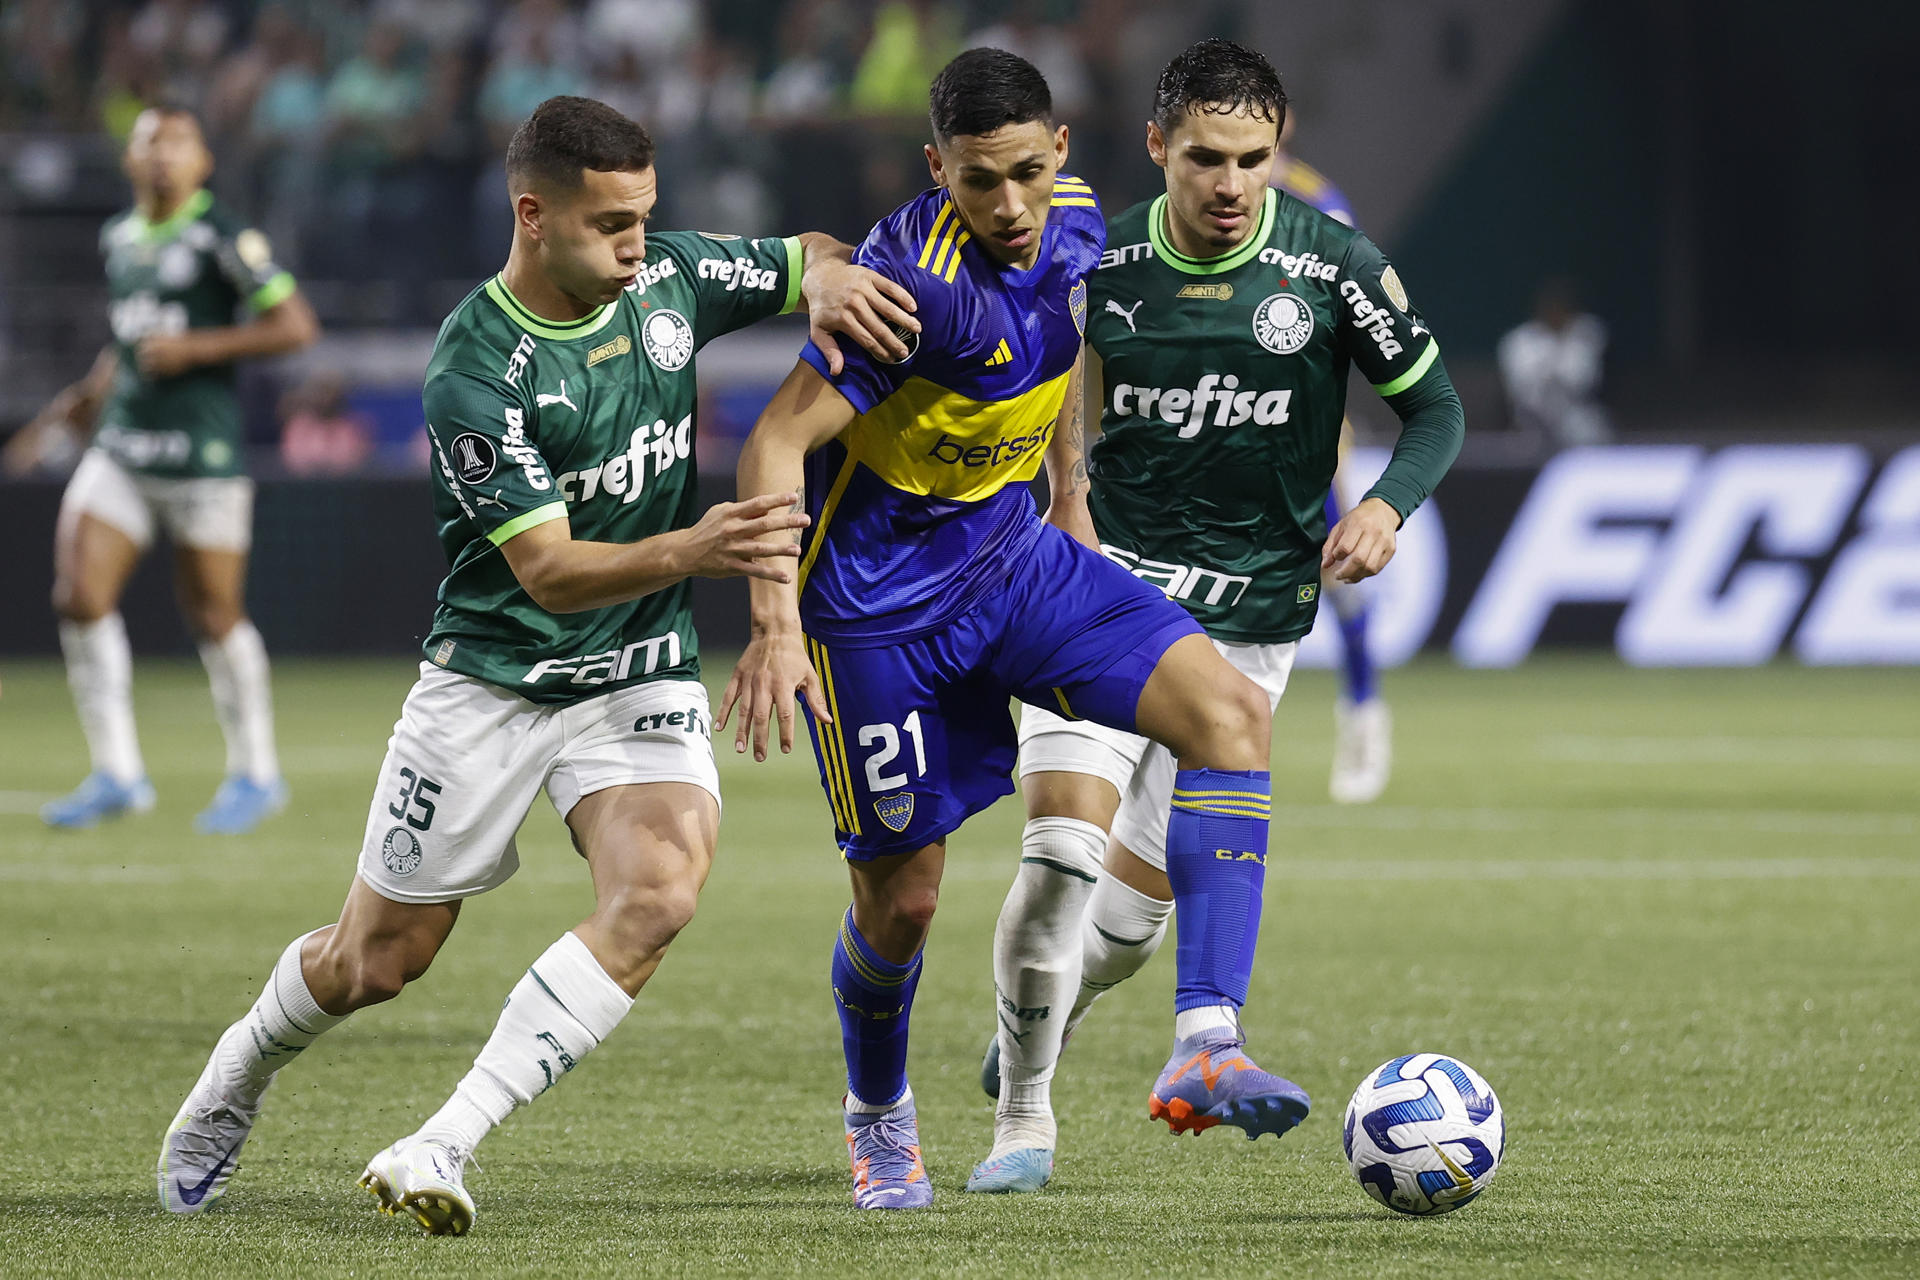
(886, 738)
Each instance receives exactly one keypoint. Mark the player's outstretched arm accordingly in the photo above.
(805, 413)
(842, 298)
(73, 411)
(1067, 481)
(286, 326)
(751, 539)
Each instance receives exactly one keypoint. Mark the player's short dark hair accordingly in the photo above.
(566, 135)
(983, 89)
(1219, 77)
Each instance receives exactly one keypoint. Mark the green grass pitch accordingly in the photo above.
(1673, 917)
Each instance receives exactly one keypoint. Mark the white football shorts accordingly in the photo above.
(467, 759)
(213, 513)
(1140, 770)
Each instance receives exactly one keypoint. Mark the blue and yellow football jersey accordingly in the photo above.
(1304, 182)
(918, 505)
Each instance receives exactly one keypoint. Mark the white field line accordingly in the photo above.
(1576, 748)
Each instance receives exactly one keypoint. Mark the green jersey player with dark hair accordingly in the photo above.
(166, 451)
(560, 407)
(1225, 317)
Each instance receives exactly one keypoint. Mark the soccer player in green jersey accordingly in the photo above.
(1223, 321)
(166, 450)
(560, 406)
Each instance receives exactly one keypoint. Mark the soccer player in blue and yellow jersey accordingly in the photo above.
(931, 590)
(1362, 725)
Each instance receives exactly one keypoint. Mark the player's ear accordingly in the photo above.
(934, 166)
(526, 213)
(1156, 144)
(1060, 147)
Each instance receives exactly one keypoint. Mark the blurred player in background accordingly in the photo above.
(932, 591)
(1225, 317)
(559, 401)
(1362, 725)
(167, 450)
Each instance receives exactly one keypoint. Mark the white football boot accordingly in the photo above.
(423, 1180)
(1362, 751)
(197, 1159)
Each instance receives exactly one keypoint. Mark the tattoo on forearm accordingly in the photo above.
(1076, 433)
(799, 505)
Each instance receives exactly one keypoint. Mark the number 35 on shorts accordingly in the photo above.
(415, 805)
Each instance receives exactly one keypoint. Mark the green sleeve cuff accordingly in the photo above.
(796, 264)
(273, 292)
(527, 520)
(1413, 375)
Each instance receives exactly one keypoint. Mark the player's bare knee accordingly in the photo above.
(643, 919)
(212, 622)
(1239, 730)
(910, 909)
(74, 602)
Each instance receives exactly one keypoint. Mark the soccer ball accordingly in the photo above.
(1424, 1134)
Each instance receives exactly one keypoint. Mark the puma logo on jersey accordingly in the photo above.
(542, 400)
(1126, 313)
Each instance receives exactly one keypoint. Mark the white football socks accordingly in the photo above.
(1036, 970)
(243, 700)
(562, 1008)
(100, 673)
(1122, 930)
(283, 1021)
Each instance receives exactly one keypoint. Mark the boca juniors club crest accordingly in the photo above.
(1077, 304)
(895, 810)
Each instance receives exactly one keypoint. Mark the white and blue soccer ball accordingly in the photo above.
(1424, 1134)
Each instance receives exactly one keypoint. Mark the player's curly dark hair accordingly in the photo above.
(983, 89)
(566, 135)
(1219, 77)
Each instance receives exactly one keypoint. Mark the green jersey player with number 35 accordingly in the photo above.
(560, 402)
(1225, 316)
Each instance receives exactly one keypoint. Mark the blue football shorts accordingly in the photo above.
(922, 734)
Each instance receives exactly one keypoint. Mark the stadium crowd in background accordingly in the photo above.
(364, 136)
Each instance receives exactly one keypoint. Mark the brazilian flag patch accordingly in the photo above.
(1308, 591)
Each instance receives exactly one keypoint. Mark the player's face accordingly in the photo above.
(166, 157)
(592, 239)
(1002, 183)
(1217, 170)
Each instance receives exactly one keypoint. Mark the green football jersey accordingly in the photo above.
(592, 422)
(1224, 386)
(189, 272)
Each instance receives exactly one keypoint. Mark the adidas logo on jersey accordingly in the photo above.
(625, 474)
(1001, 355)
(1216, 398)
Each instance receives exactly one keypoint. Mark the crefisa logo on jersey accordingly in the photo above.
(473, 457)
(400, 851)
(668, 339)
(1283, 323)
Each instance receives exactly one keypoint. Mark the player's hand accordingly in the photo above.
(770, 673)
(30, 446)
(745, 539)
(864, 305)
(1362, 543)
(166, 355)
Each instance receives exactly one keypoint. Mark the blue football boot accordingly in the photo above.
(96, 799)
(240, 805)
(885, 1153)
(1210, 1080)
